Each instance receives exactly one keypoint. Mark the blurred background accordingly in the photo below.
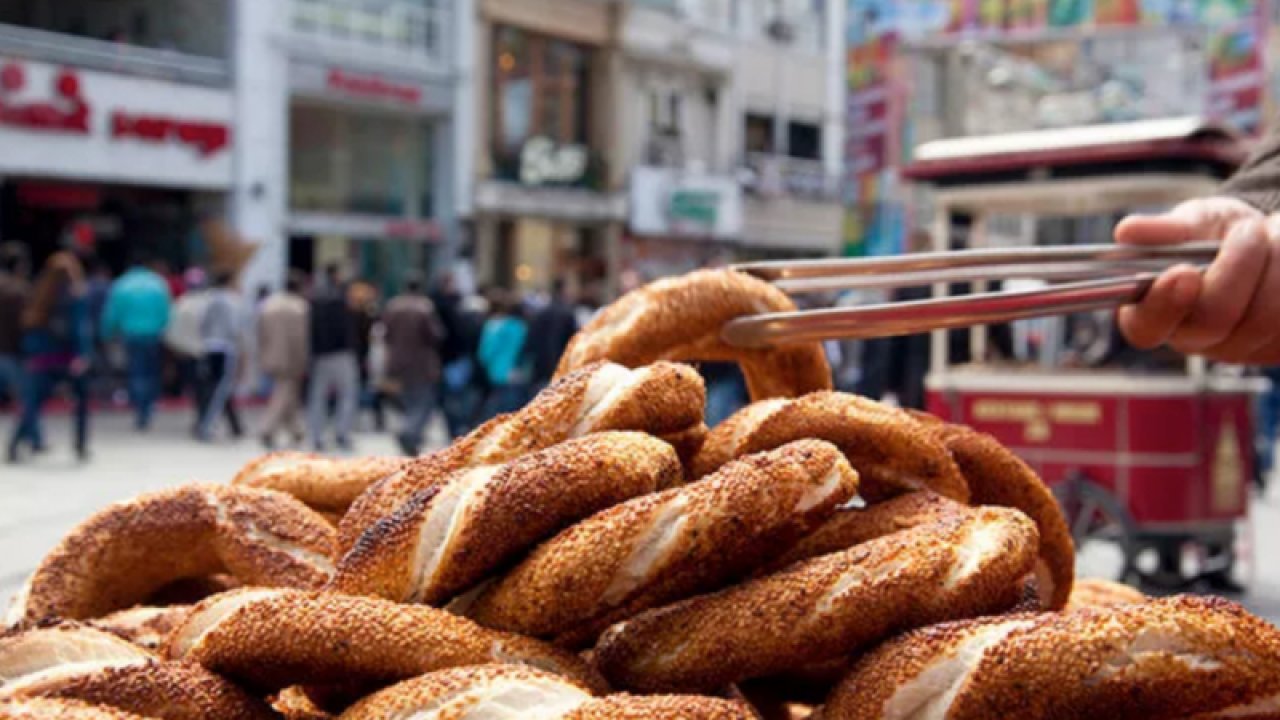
(298, 166)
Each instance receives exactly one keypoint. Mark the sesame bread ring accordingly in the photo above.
(77, 662)
(271, 639)
(124, 552)
(448, 538)
(893, 452)
(295, 704)
(824, 608)
(661, 399)
(996, 476)
(143, 626)
(680, 318)
(49, 709)
(668, 546)
(1168, 658)
(662, 707)
(1099, 593)
(325, 484)
(848, 526)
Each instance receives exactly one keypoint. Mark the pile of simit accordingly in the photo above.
(601, 553)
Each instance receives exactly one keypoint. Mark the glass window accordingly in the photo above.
(804, 140)
(759, 133)
(540, 89)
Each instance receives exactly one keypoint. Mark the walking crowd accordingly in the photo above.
(316, 352)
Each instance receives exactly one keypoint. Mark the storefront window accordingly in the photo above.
(359, 162)
(540, 91)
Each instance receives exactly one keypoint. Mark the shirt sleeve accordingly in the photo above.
(1257, 182)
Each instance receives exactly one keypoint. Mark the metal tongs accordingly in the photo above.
(1088, 277)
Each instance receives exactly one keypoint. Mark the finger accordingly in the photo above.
(1228, 288)
(1149, 323)
(1258, 329)
(1155, 230)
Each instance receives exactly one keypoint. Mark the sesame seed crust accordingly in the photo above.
(680, 318)
(120, 555)
(668, 546)
(662, 707)
(509, 511)
(826, 607)
(1100, 593)
(143, 626)
(49, 709)
(453, 692)
(1168, 658)
(273, 639)
(325, 484)
(893, 452)
(660, 399)
(998, 477)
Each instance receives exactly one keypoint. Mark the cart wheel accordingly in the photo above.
(1104, 534)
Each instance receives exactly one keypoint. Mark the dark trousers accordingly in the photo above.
(143, 361)
(418, 400)
(217, 371)
(40, 386)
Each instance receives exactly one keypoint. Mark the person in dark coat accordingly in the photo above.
(414, 334)
(549, 333)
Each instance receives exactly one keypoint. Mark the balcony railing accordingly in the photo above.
(394, 27)
(64, 49)
(770, 175)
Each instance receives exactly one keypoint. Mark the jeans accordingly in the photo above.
(219, 372)
(40, 385)
(335, 373)
(725, 396)
(418, 399)
(12, 378)
(143, 361)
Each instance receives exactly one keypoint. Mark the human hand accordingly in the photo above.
(1231, 311)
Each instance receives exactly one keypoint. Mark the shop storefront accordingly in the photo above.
(364, 171)
(679, 221)
(133, 163)
(543, 204)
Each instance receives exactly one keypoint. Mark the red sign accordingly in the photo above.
(65, 112)
(208, 138)
(373, 87)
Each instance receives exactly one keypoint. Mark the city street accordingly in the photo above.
(44, 498)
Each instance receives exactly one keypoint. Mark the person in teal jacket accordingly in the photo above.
(137, 313)
(501, 348)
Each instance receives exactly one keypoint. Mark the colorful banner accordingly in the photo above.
(1236, 65)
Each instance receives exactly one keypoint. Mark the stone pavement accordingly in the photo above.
(42, 499)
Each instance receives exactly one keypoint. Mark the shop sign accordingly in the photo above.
(666, 202)
(64, 122)
(543, 162)
(372, 87)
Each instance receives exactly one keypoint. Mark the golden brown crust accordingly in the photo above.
(662, 707)
(681, 318)
(78, 662)
(1168, 658)
(325, 484)
(996, 476)
(826, 607)
(661, 399)
(1099, 593)
(668, 546)
(271, 639)
(446, 539)
(853, 526)
(48, 709)
(893, 452)
(122, 554)
(294, 704)
(143, 626)
(485, 690)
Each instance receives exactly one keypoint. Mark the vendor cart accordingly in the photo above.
(1152, 467)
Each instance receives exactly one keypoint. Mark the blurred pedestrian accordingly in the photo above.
(13, 299)
(137, 313)
(184, 340)
(56, 345)
(550, 330)
(463, 318)
(283, 350)
(222, 341)
(334, 369)
(414, 334)
(363, 300)
(501, 347)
